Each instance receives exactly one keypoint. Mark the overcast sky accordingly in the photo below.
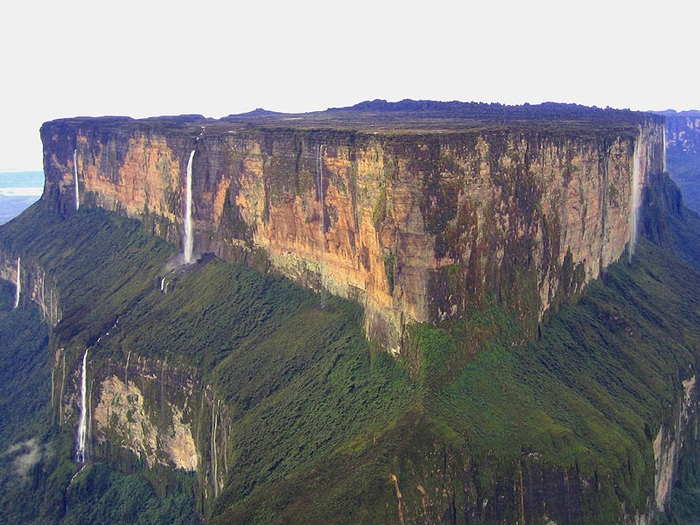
(146, 57)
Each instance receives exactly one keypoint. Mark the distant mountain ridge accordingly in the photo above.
(683, 153)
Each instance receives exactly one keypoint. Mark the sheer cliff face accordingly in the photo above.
(683, 146)
(418, 225)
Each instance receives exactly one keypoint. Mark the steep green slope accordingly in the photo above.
(44, 489)
(473, 424)
(25, 394)
(584, 402)
(299, 378)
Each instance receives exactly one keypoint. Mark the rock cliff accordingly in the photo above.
(417, 210)
(447, 222)
(683, 150)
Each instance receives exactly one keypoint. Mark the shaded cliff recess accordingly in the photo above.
(220, 392)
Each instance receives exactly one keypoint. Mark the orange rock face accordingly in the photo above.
(415, 225)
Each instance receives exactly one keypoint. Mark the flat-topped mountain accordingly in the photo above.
(446, 313)
(416, 209)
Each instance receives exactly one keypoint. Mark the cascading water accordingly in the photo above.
(319, 184)
(81, 455)
(189, 233)
(75, 177)
(663, 153)
(214, 457)
(634, 199)
(18, 289)
(319, 191)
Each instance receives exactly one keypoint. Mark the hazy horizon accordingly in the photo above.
(18, 191)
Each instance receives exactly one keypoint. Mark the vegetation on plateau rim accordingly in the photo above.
(323, 422)
(388, 118)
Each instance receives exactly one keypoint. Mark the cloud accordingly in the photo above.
(28, 454)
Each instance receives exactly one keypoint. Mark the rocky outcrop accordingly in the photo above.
(418, 215)
(146, 412)
(670, 442)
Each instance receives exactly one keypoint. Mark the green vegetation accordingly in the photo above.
(98, 495)
(586, 399)
(24, 406)
(323, 427)
(295, 400)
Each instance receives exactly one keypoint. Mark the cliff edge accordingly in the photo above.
(418, 210)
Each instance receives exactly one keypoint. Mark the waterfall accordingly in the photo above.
(663, 153)
(214, 457)
(319, 191)
(75, 176)
(189, 234)
(18, 289)
(126, 369)
(635, 198)
(81, 456)
(319, 185)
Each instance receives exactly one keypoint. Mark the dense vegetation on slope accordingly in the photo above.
(37, 483)
(586, 399)
(326, 428)
(25, 385)
(270, 350)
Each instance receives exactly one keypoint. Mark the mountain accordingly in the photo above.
(399, 313)
(683, 153)
(416, 212)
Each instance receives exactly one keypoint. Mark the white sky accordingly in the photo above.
(64, 58)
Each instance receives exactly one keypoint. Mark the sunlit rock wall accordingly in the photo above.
(417, 225)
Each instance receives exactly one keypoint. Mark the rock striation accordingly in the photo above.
(418, 210)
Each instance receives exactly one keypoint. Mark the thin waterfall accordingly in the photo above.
(75, 177)
(319, 185)
(189, 233)
(126, 369)
(319, 191)
(18, 289)
(81, 456)
(214, 457)
(604, 215)
(634, 198)
(663, 153)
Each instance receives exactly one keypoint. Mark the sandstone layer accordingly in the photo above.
(419, 215)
